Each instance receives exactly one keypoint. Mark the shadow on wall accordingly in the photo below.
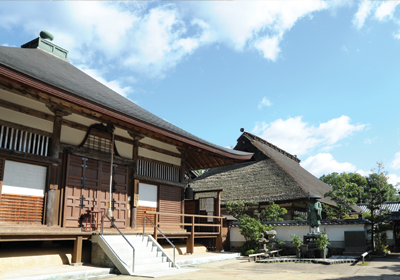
(40, 253)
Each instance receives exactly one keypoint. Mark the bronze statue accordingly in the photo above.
(314, 213)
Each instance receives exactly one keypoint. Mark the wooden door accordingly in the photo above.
(95, 175)
(120, 195)
(170, 202)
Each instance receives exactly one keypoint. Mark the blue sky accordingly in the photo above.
(319, 79)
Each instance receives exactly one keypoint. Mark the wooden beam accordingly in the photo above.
(183, 167)
(98, 155)
(196, 159)
(158, 181)
(26, 156)
(206, 160)
(48, 117)
(159, 150)
(25, 128)
(26, 110)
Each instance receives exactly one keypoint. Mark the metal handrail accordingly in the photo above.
(166, 238)
(102, 231)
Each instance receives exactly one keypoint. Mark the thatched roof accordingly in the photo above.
(273, 175)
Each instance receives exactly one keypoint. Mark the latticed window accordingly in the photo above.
(99, 139)
(98, 143)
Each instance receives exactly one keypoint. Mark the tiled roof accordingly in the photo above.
(393, 206)
(47, 68)
(305, 223)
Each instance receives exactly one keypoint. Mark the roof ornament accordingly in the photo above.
(47, 35)
(242, 129)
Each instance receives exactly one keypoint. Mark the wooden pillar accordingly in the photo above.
(218, 243)
(183, 165)
(77, 255)
(155, 228)
(53, 152)
(135, 198)
(218, 204)
(190, 241)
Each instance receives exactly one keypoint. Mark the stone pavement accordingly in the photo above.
(379, 268)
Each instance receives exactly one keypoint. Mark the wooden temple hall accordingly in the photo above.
(60, 129)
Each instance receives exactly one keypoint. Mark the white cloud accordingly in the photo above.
(114, 85)
(369, 141)
(363, 173)
(259, 24)
(324, 163)
(386, 10)
(363, 12)
(344, 49)
(393, 179)
(396, 162)
(269, 47)
(381, 10)
(264, 103)
(298, 137)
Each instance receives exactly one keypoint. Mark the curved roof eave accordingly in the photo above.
(20, 69)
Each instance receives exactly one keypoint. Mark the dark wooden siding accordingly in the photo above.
(21, 209)
(140, 215)
(170, 201)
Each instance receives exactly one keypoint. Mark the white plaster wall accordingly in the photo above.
(335, 232)
(147, 195)
(24, 119)
(159, 144)
(24, 179)
(17, 99)
(81, 120)
(123, 133)
(124, 150)
(159, 156)
(71, 136)
(235, 235)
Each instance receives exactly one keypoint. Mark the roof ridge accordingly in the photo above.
(276, 148)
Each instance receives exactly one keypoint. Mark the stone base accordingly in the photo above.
(100, 258)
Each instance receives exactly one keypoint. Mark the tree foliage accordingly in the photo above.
(376, 192)
(251, 229)
(272, 212)
(239, 208)
(347, 189)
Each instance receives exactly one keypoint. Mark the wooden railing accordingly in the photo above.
(192, 225)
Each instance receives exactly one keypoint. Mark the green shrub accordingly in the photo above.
(296, 241)
(322, 241)
(381, 243)
(252, 230)
(249, 252)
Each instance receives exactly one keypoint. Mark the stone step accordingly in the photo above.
(151, 267)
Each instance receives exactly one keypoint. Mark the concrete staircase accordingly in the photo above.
(150, 258)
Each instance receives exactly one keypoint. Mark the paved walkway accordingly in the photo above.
(379, 268)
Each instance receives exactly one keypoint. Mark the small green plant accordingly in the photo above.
(322, 241)
(249, 252)
(281, 244)
(300, 217)
(296, 241)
